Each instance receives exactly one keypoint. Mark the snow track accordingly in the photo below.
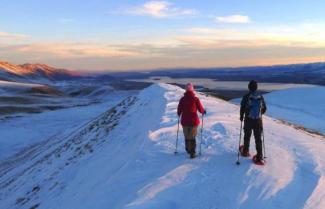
(124, 159)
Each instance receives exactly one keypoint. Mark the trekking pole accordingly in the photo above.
(177, 136)
(241, 127)
(263, 138)
(263, 144)
(201, 136)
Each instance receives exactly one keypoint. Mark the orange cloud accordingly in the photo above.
(259, 37)
(193, 47)
(76, 50)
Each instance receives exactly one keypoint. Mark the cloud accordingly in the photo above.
(79, 50)
(297, 36)
(151, 56)
(67, 50)
(238, 19)
(159, 9)
(191, 47)
(15, 37)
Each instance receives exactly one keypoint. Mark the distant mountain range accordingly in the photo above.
(311, 73)
(39, 73)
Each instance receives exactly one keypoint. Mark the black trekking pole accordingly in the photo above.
(241, 127)
(177, 136)
(201, 136)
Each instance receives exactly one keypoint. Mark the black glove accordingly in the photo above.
(204, 112)
(241, 118)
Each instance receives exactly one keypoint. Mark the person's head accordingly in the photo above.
(189, 87)
(252, 86)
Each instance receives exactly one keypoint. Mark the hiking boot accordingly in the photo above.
(242, 152)
(258, 160)
(245, 154)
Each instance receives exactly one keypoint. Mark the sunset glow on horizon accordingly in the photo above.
(139, 35)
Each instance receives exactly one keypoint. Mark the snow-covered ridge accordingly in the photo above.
(15, 69)
(47, 71)
(47, 160)
(133, 166)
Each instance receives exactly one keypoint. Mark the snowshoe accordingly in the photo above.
(241, 150)
(192, 155)
(257, 161)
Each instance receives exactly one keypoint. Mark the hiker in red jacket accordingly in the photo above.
(188, 106)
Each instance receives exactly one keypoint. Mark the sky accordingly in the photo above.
(102, 35)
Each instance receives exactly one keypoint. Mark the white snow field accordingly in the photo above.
(302, 106)
(19, 133)
(125, 159)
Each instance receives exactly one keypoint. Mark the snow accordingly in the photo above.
(22, 132)
(6, 86)
(125, 159)
(302, 106)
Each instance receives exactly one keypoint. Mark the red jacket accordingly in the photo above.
(188, 107)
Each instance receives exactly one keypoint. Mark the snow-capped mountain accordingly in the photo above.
(33, 73)
(124, 158)
(51, 73)
(10, 72)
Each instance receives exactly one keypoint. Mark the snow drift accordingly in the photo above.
(124, 159)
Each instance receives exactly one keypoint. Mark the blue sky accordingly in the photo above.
(134, 35)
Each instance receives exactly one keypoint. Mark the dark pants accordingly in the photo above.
(189, 135)
(256, 126)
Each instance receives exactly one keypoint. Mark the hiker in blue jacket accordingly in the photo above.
(251, 109)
